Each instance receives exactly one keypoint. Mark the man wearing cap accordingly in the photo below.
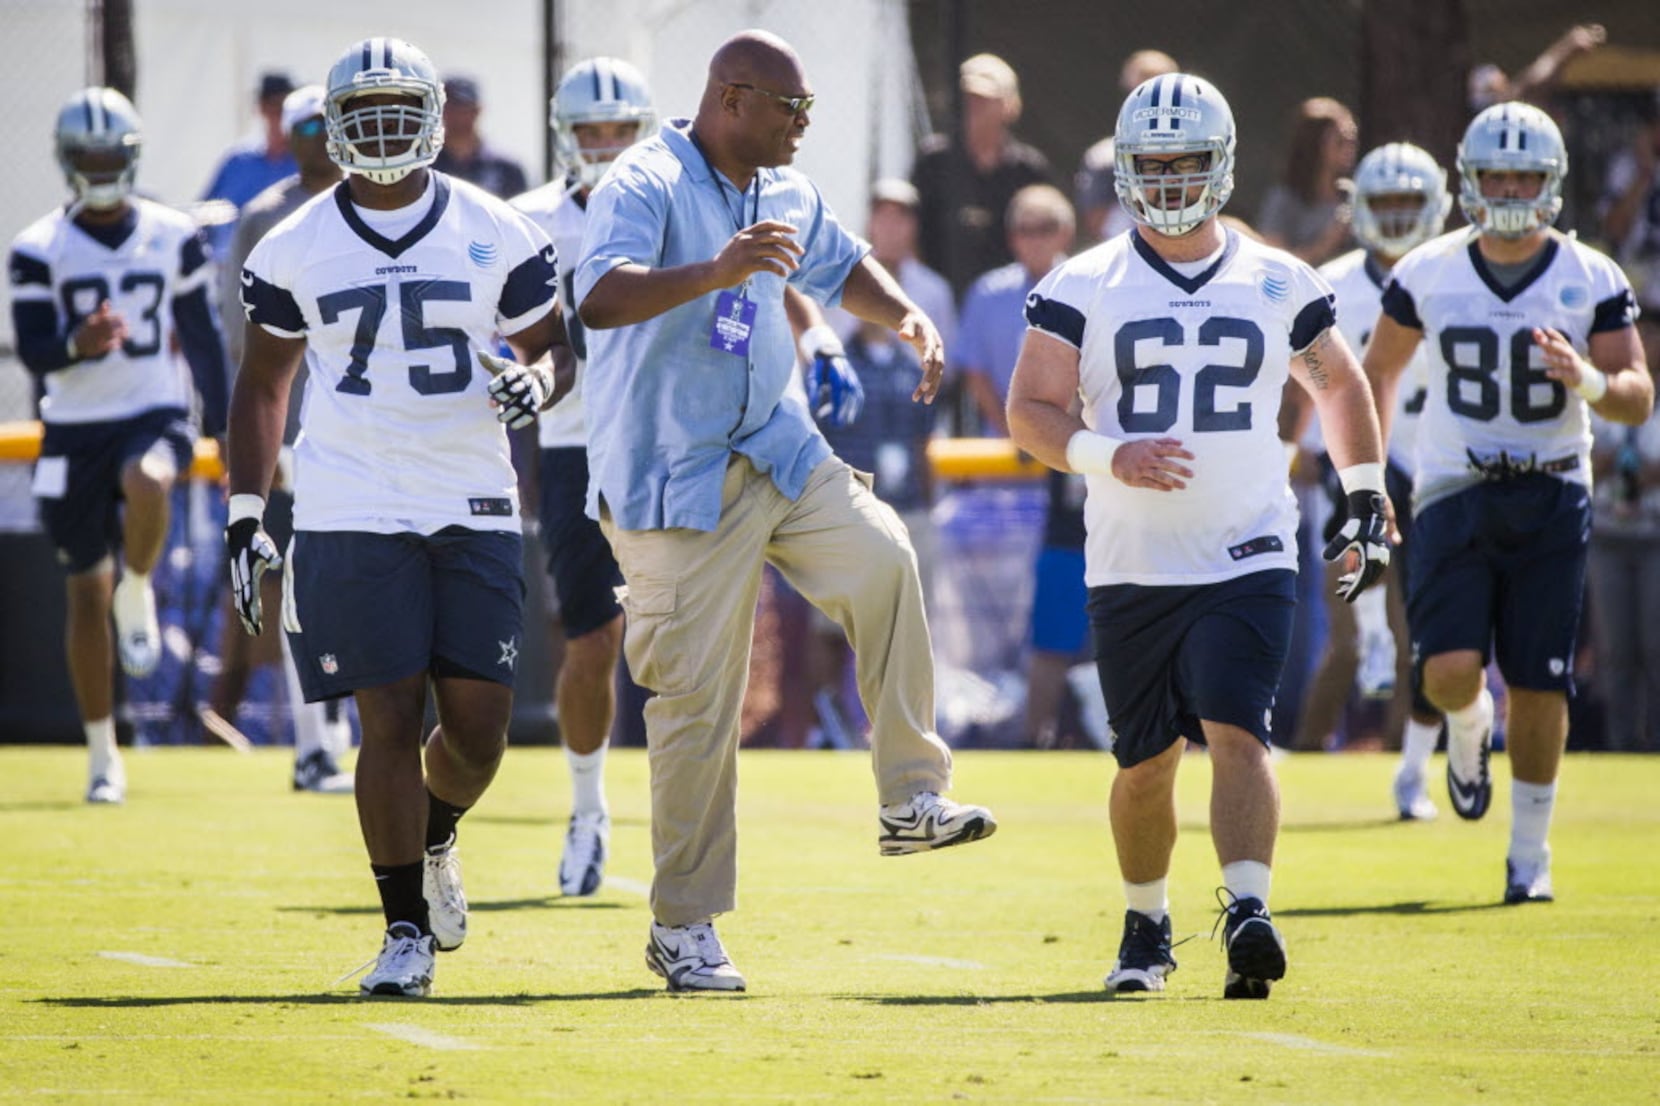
(965, 183)
(318, 740)
(465, 154)
(253, 164)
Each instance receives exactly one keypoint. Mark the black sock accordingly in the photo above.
(441, 820)
(400, 894)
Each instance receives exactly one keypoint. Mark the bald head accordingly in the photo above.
(747, 118)
(755, 57)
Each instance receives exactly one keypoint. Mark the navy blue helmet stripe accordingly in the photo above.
(1176, 94)
(368, 45)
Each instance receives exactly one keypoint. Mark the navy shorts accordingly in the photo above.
(1500, 568)
(373, 609)
(82, 512)
(1170, 656)
(585, 574)
(1060, 622)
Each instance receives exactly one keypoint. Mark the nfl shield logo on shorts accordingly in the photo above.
(328, 663)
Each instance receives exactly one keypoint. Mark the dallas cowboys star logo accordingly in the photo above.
(509, 652)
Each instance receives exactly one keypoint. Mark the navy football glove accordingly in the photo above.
(251, 554)
(1366, 534)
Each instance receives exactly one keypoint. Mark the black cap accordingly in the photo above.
(461, 90)
(275, 85)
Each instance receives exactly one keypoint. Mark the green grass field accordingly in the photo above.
(186, 948)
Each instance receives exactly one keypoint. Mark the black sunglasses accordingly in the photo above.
(795, 105)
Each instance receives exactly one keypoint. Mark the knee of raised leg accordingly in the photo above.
(1450, 682)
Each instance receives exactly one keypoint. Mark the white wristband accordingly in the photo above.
(820, 339)
(1364, 477)
(69, 347)
(1593, 384)
(245, 505)
(1090, 452)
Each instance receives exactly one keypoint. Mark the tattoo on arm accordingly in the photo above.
(1316, 366)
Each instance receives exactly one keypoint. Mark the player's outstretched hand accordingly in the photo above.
(1364, 541)
(252, 554)
(1153, 463)
(766, 247)
(517, 391)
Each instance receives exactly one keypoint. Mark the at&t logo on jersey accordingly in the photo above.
(482, 254)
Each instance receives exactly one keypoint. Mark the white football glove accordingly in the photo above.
(519, 392)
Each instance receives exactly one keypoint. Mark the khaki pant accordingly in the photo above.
(691, 616)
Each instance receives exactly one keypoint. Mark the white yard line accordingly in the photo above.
(426, 1038)
(1309, 1044)
(145, 961)
(932, 961)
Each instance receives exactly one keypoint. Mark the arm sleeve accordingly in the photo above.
(204, 351)
(532, 284)
(1398, 305)
(626, 217)
(42, 344)
(1047, 310)
(829, 254)
(1318, 312)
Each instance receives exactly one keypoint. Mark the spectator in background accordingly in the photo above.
(1624, 577)
(321, 734)
(1303, 213)
(465, 153)
(1488, 85)
(252, 164)
(1093, 187)
(965, 182)
(892, 231)
(1041, 229)
(1631, 219)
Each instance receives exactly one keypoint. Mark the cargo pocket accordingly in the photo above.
(656, 658)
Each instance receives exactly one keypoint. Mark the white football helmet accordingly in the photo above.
(1399, 169)
(1167, 117)
(99, 121)
(599, 90)
(1513, 137)
(359, 138)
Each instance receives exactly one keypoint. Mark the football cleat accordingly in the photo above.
(1144, 956)
(317, 771)
(137, 630)
(1412, 799)
(446, 900)
(1256, 951)
(1469, 775)
(691, 958)
(587, 841)
(105, 790)
(930, 821)
(404, 967)
(1527, 882)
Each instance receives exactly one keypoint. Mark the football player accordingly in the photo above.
(601, 107)
(1400, 200)
(404, 567)
(102, 288)
(1179, 337)
(1526, 328)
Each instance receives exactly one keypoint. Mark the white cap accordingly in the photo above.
(302, 104)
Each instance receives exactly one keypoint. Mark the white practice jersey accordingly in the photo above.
(559, 209)
(1488, 392)
(1203, 359)
(397, 433)
(1359, 282)
(163, 258)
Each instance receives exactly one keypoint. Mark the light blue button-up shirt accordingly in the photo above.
(665, 410)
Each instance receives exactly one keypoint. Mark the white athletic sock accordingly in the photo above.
(1150, 898)
(1465, 730)
(310, 719)
(1531, 805)
(103, 754)
(1417, 745)
(1247, 879)
(587, 781)
(132, 596)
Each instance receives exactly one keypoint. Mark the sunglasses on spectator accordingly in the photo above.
(795, 105)
(308, 128)
(1186, 166)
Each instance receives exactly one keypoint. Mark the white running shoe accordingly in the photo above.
(691, 958)
(929, 821)
(446, 900)
(319, 772)
(1412, 797)
(404, 967)
(137, 630)
(106, 780)
(587, 841)
(1469, 775)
